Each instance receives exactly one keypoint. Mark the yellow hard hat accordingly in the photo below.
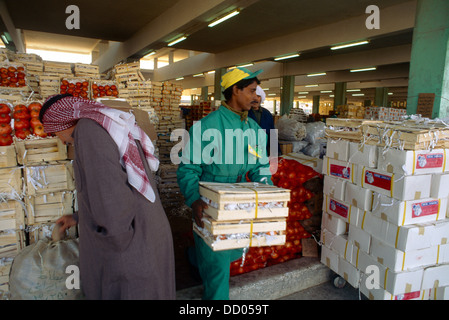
(235, 75)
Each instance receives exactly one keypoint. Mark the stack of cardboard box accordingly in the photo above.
(385, 225)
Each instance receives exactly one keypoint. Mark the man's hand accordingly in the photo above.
(198, 206)
(66, 222)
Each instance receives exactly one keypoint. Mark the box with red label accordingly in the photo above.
(337, 149)
(440, 186)
(409, 212)
(334, 187)
(396, 186)
(341, 209)
(334, 224)
(363, 154)
(340, 169)
(357, 196)
(398, 260)
(378, 276)
(411, 162)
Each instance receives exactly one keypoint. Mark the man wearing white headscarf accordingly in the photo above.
(262, 116)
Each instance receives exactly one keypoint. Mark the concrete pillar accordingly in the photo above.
(429, 65)
(340, 94)
(316, 104)
(218, 94)
(287, 94)
(381, 97)
(204, 93)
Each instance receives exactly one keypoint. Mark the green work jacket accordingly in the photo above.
(222, 148)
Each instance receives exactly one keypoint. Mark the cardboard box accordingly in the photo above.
(341, 209)
(410, 162)
(444, 254)
(440, 293)
(364, 155)
(399, 187)
(340, 169)
(337, 149)
(440, 186)
(142, 118)
(357, 196)
(334, 187)
(360, 238)
(398, 260)
(337, 243)
(436, 276)
(380, 276)
(348, 272)
(409, 212)
(329, 258)
(315, 163)
(334, 224)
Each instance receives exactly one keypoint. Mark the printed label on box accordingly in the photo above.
(408, 295)
(378, 180)
(426, 208)
(431, 160)
(340, 171)
(338, 208)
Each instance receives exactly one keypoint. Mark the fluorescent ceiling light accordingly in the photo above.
(198, 75)
(363, 69)
(4, 39)
(317, 74)
(302, 97)
(326, 91)
(353, 90)
(266, 89)
(311, 85)
(358, 94)
(246, 65)
(303, 92)
(287, 57)
(226, 17)
(331, 96)
(390, 93)
(210, 72)
(349, 45)
(181, 78)
(272, 94)
(177, 41)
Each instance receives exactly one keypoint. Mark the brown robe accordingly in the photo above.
(126, 244)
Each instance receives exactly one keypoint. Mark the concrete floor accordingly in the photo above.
(326, 291)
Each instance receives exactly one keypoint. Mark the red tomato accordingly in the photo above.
(5, 128)
(4, 108)
(22, 133)
(21, 124)
(6, 139)
(39, 131)
(21, 114)
(35, 122)
(5, 118)
(34, 106)
(20, 107)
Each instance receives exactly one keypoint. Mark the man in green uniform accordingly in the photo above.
(225, 146)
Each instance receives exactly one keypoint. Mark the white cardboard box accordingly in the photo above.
(334, 187)
(339, 169)
(329, 258)
(410, 162)
(440, 293)
(341, 209)
(357, 196)
(334, 224)
(348, 272)
(444, 253)
(440, 186)
(364, 155)
(337, 149)
(398, 260)
(396, 186)
(360, 238)
(436, 276)
(381, 276)
(409, 212)
(337, 243)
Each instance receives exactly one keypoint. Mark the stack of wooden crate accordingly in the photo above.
(88, 71)
(243, 215)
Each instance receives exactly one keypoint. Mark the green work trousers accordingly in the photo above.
(214, 268)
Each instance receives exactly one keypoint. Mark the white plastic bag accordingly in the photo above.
(290, 129)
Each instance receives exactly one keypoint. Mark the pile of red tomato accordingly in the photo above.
(13, 77)
(26, 122)
(75, 88)
(104, 90)
(291, 175)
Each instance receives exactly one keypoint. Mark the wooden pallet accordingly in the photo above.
(49, 207)
(11, 182)
(53, 177)
(37, 151)
(228, 194)
(12, 215)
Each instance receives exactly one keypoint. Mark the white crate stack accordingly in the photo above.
(385, 224)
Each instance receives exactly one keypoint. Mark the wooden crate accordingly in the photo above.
(238, 201)
(348, 129)
(87, 69)
(8, 157)
(127, 67)
(242, 240)
(37, 151)
(57, 67)
(11, 243)
(11, 185)
(53, 177)
(5, 267)
(48, 207)
(12, 215)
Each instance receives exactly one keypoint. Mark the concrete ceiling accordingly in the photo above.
(127, 30)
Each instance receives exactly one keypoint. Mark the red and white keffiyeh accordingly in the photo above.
(120, 125)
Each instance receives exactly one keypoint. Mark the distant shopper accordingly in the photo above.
(126, 248)
(263, 117)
